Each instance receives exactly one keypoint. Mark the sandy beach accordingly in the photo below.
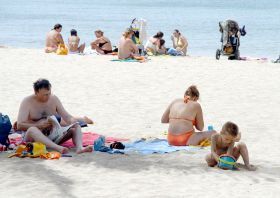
(127, 100)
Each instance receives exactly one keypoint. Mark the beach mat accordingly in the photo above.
(125, 60)
(88, 138)
(159, 146)
(262, 59)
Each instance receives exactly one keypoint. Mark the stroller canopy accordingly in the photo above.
(139, 27)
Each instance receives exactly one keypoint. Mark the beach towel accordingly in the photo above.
(88, 139)
(140, 59)
(160, 146)
(89, 51)
(125, 60)
(245, 58)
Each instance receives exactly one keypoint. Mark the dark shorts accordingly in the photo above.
(107, 51)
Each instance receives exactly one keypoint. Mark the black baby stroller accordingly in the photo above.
(230, 39)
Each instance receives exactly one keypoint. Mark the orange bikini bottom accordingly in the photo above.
(179, 140)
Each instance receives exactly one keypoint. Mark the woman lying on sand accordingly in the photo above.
(183, 115)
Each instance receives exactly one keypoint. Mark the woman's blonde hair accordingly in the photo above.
(127, 32)
(99, 32)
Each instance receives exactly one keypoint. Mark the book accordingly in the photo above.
(58, 132)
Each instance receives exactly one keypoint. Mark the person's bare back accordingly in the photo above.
(53, 39)
(127, 49)
(182, 114)
(73, 43)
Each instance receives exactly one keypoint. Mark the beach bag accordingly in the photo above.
(62, 50)
(5, 128)
(34, 149)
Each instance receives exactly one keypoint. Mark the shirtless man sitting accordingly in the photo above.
(34, 111)
(54, 38)
(73, 43)
(127, 49)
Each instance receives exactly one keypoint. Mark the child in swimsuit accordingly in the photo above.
(224, 143)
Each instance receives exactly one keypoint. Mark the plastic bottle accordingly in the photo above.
(210, 128)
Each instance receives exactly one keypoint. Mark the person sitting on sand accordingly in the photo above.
(102, 44)
(180, 43)
(183, 115)
(223, 143)
(153, 43)
(33, 117)
(54, 38)
(127, 49)
(160, 48)
(73, 43)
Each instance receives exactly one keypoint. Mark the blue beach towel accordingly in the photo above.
(125, 60)
(154, 146)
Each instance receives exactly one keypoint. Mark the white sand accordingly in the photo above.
(127, 100)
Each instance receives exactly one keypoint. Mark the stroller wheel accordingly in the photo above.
(237, 55)
(218, 54)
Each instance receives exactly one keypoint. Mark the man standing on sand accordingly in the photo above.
(33, 117)
(54, 38)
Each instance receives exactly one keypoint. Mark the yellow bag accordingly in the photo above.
(38, 149)
(35, 149)
(62, 50)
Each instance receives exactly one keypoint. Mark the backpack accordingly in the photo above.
(5, 128)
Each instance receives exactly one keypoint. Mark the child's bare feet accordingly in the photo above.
(88, 120)
(85, 149)
(251, 167)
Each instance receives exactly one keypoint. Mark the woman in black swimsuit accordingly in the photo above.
(102, 44)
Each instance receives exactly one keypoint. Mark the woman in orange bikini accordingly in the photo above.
(183, 115)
